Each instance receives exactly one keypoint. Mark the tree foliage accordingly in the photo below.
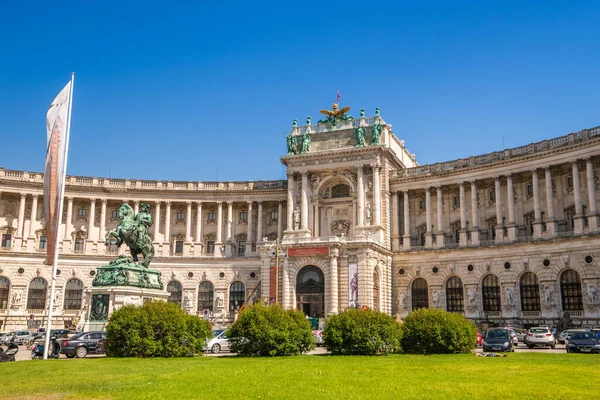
(156, 329)
(434, 331)
(362, 332)
(269, 330)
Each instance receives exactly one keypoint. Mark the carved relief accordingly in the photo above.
(340, 227)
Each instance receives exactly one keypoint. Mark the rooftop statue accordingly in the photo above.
(334, 115)
(133, 231)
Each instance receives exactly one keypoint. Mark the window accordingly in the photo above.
(4, 289)
(174, 290)
(422, 204)
(212, 216)
(492, 196)
(340, 190)
(530, 292)
(420, 294)
(570, 289)
(114, 214)
(79, 245)
(274, 215)
(210, 247)
(180, 216)
(456, 201)
(237, 295)
(455, 295)
(241, 247)
(570, 183)
(73, 294)
(36, 298)
(42, 243)
(243, 216)
(112, 246)
(206, 293)
(179, 247)
(529, 191)
(82, 212)
(6, 240)
(491, 293)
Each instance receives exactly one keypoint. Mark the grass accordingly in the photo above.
(518, 376)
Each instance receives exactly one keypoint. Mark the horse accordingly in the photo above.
(127, 232)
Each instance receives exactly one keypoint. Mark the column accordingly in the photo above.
(103, 220)
(259, 224)
(394, 222)
(167, 238)
(474, 215)
(499, 216)
(360, 193)
(578, 217)
(198, 238)
(428, 215)
(537, 210)
(512, 226)
(33, 215)
(440, 239)
(279, 219)
(250, 237)
(406, 237)
(592, 213)
(91, 217)
(229, 223)
(136, 207)
(290, 202)
(463, 215)
(157, 221)
(285, 283)
(188, 222)
(333, 282)
(21, 221)
(551, 227)
(69, 218)
(219, 238)
(304, 202)
(376, 196)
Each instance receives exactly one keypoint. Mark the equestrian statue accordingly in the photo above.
(133, 231)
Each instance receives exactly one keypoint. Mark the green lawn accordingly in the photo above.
(518, 376)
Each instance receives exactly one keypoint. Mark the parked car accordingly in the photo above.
(82, 344)
(596, 331)
(539, 336)
(498, 339)
(318, 335)
(513, 335)
(563, 337)
(5, 337)
(583, 342)
(218, 342)
(521, 334)
(22, 337)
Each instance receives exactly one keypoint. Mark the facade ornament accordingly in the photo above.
(340, 227)
(305, 142)
(360, 136)
(368, 213)
(509, 296)
(16, 298)
(402, 304)
(418, 270)
(38, 271)
(187, 300)
(591, 294)
(548, 296)
(362, 112)
(471, 299)
(335, 115)
(375, 134)
(435, 296)
(296, 215)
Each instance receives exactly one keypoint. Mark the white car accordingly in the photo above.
(218, 342)
(513, 335)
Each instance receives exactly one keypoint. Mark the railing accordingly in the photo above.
(531, 314)
(521, 239)
(565, 234)
(493, 313)
(342, 124)
(576, 313)
(487, 242)
(496, 156)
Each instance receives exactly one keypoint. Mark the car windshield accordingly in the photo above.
(217, 332)
(497, 334)
(582, 336)
(539, 330)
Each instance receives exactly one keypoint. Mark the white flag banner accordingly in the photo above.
(56, 128)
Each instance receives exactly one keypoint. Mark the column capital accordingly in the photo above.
(70, 199)
(461, 184)
(158, 203)
(473, 181)
(35, 196)
(104, 201)
(136, 202)
(575, 162)
(304, 173)
(360, 167)
(188, 203)
(290, 174)
(168, 203)
(259, 202)
(92, 201)
(23, 195)
(250, 204)
(497, 178)
(219, 203)
(405, 191)
(230, 202)
(376, 166)
(199, 203)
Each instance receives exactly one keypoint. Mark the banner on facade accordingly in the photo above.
(309, 251)
(352, 285)
(272, 283)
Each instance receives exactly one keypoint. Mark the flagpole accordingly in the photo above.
(60, 207)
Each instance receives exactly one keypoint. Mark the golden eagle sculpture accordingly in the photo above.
(334, 115)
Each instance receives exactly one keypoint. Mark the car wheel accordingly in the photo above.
(70, 355)
(215, 348)
(552, 346)
(81, 352)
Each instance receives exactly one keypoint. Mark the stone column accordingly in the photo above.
(285, 284)
(259, 224)
(188, 222)
(578, 217)
(33, 216)
(103, 220)
(537, 209)
(463, 215)
(551, 225)
(376, 195)
(406, 237)
(499, 216)
(21, 220)
(157, 222)
(474, 215)
(136, 207)
(333, 282)
(69, 218)
(290, 202)
(198, 238)
(592, 213)
(229, 223)
(360, 193)
(440, 239)
(168, 223)
(304, 202)
(249, 235)
(91, 217)
(394, 223)
(510, 200)
(279, 219)
(428, 215)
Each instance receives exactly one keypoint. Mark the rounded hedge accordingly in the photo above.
(156, 329)
(434, 331)
(362, 332)
(269, 330)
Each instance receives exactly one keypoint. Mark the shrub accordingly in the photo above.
(435, 331)
(362, 332)
(269, 330)
(156, 329)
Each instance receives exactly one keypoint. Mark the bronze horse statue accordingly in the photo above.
(133, 231)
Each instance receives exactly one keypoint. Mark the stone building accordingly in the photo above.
(507, 237)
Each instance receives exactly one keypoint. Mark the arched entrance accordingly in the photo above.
(310, 291)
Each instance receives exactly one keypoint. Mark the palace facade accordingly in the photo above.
(506, 237)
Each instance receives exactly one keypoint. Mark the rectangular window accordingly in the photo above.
(529, 190)
(210, 247)
(114, 214)
(6, 240)
(492, 195)
(82, 212)
(180, 216)
(274, 215)
(570, 182)
(456, 201)
(241, 248)
(179, 247)
(212, 216)
(243, 216)
(421, 204)
(42, 245)
(79, 245)
(112, 246)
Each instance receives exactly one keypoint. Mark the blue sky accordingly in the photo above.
(194, 91)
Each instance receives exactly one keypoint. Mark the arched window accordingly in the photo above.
(4, 289)
(570, 289)
(491, 293)
(206, 293)
(36, 299)
(340, 190)
(237, 295)
(310, 291)
(73, 294)
(174, 289)
(530, 292)
(455, 295)
(376, 290)
(420, 294)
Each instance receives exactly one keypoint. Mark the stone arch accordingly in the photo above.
(331, 180)
(455, 293)
(310, 291)
(419, 293)
(490, 293)
(529, 291)
(73, 294)
(37, 294)
(175, 290)
(206, 296)
(571, 290)
(4, 292)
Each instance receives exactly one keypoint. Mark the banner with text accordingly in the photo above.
(309, 251)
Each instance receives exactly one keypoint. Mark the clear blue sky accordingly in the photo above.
(176, 92)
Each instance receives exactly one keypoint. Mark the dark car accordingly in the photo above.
(82, 344)
(498, 339)
(583, 342)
